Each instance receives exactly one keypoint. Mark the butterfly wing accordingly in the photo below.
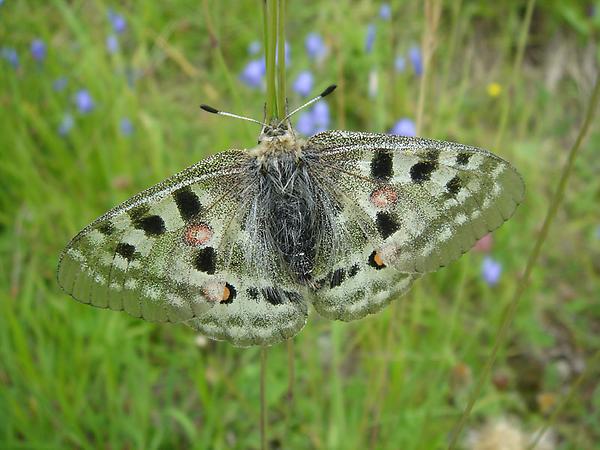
(428, 202)
(173, 253)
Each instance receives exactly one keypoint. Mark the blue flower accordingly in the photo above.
(126, 126)
(38, 50)
(373, 83)
(84, 102)
(10, 55)
(404, 127)
(66, 124)
(400, 64)
(491, 270)
(314, 120)
(385, 12)
(370, 39)
(304, 83)
(414, 54)
(320, 113)
(118, 22)
(315, 47)
(306, 123)
(254, 48)
(253, 73)
(59, 84)
(112, 43)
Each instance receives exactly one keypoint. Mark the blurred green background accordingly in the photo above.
(100, 99)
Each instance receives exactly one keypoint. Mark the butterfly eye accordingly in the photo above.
(376, 261)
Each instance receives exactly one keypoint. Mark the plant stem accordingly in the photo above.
(291, 382)
(281, 106)
(263, 405)
(433, 9)
(591, 365)
(291, 372)
(270, 8)
(515, 71)
(533, 257)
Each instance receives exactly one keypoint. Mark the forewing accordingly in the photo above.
(174, 253)
(429, 200)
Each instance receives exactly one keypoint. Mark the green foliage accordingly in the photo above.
(77, 377)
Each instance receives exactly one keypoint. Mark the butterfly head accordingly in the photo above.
(275, 138)
(276, 131)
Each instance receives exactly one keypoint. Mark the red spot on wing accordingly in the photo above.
(384, 197)
(214, 291)
(197, 234)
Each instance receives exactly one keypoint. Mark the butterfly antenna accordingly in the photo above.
(325, 93)
(212, 110)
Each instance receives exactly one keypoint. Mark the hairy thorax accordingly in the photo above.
(272, 146)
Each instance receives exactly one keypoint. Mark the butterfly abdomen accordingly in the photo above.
(289, 217)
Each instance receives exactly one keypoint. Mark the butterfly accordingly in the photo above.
(238, 245)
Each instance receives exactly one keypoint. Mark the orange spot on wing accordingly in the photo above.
(378, 260)
(226, 294)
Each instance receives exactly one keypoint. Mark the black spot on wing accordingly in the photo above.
(278, 296)
(252, 293)
(421, 171)
(382, 165)
(454, 185)
(432, 155)
(106, 228)
(125, 250)
(206, 260)
(273, 295)
(353, 270)
(463, 158)
(337, 278)
(373, 262)
(293, 297)
(386, 224)
(152, 225)
(187, 203)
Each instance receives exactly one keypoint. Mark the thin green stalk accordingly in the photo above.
(291, 383)
(533, 257)
(270, 25)
(506, 104)
(337, 419)
(281, 92)
(433, 10)
(263, 403)
(454, 34)
(566, 399)
(268, 109)
(291, 372)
